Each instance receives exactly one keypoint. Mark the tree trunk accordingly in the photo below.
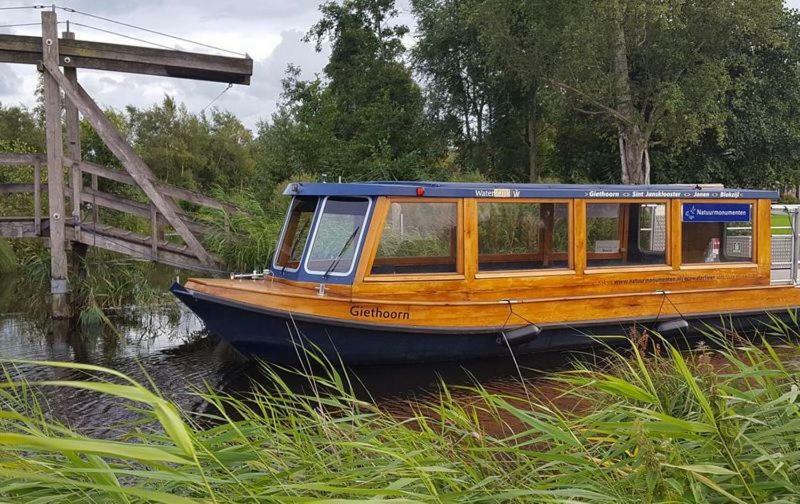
(479, 121)
(533, 148)
(533, 136)
(634, 155)
(632, 140)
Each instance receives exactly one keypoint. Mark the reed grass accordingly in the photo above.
(103, 282)
(714, 425)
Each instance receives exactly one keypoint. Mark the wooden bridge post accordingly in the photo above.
(73, 127)
(37, 198)
(59, 283)
(73, 146)
(154, 231)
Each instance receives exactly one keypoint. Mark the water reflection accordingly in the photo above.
(168, 346)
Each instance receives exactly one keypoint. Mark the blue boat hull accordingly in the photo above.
(281, 336)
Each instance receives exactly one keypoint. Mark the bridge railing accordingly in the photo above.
(35, 162)
(87, 201)
(785, 244)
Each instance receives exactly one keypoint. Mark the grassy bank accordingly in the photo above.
(709, 426)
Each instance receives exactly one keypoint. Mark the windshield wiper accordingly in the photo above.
(341, 252)
(294, 245)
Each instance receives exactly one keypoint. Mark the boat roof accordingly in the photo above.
(511, 190)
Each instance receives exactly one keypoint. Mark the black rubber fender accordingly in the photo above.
(519, 335)
(672, 326)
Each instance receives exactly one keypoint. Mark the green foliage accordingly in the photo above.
(19, 129)
(509, 228)
(760, 140)
(485, 64)
(196, 152)
(365, 118)
(709, 426)
(100, 282)
(533, 88)
(245, 241)
(8, 260)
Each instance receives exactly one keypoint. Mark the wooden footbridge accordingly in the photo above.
(66, 172)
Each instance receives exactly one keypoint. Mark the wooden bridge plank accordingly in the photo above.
(131, 236)
(37, 197)
(18, 188)
(109, 238)
(111, 201)
(73, 131)
(172, 191)
(137, 250)
(120, 204)
(16, 159)
(17, 228)
(130, 59)
(130, 160)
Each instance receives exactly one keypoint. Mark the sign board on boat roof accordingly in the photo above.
(716, 212)
(485, 190)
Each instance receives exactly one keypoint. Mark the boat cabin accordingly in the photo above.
(475, 237)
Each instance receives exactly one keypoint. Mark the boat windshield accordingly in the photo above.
(295, 233)
(336, 239)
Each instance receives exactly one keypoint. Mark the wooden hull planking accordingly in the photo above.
(265, 320)
(481, 314)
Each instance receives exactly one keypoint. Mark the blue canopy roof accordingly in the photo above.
(487, 190)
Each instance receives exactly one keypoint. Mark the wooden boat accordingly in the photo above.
(407, 271)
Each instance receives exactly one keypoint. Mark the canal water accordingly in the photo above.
(168, 346)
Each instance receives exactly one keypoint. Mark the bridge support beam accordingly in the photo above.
(59, 283)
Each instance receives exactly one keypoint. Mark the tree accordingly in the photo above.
(461, 89)
(485, 64)
(656, 69)
(759, 144)
(364, 117)
(196, 152)
(522, 41)
(18, 125)
(378, 106)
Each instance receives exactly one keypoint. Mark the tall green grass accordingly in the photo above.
(102, 282)
(710, 426)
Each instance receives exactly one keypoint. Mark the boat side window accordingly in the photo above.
(652, 229)
(295, 233)
(522, 236)
(337, 236)
(717, 232)
(626, 234)
(418, 237)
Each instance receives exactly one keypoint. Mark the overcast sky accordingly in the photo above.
(270, 31)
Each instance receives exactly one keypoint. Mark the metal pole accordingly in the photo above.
(793, 214)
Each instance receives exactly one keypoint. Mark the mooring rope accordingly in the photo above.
(510, 350)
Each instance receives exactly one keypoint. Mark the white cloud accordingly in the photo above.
(10, 82)
(269, 31)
